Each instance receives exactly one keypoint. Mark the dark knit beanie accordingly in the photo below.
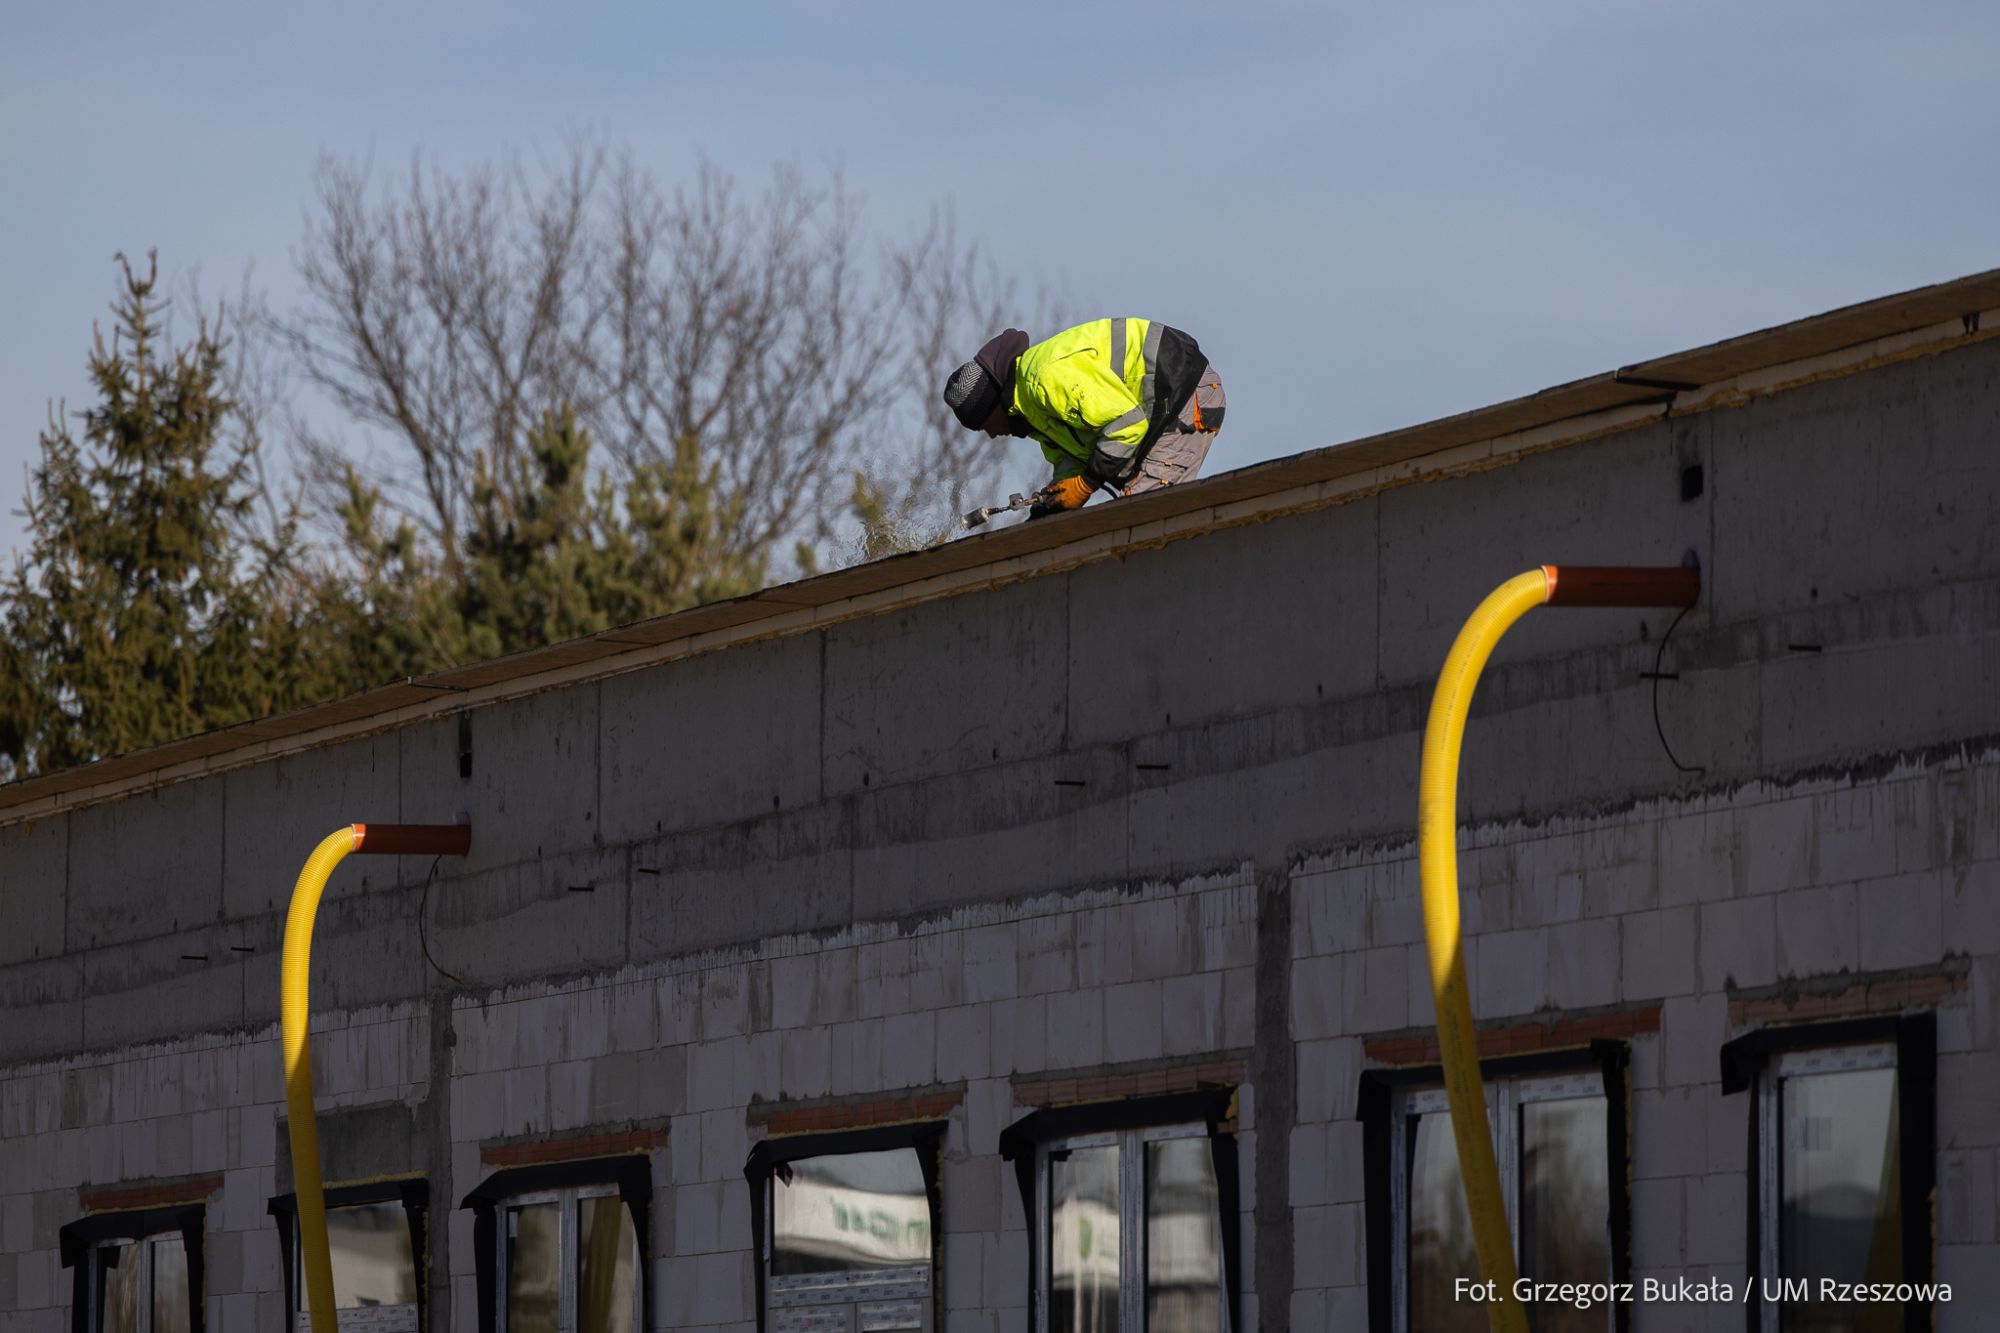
(980, 385)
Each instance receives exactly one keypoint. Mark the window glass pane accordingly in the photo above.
(1565, 1207)
(170, 1285)
(1440, 1240)
(534, 1267)
(607, 1250)
(1841, 1216)
(120, 1280)
(1183, 1238)
(369, 1245)
(850, 1211)
(1083, 1241)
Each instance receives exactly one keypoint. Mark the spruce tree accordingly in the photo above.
(146, 608)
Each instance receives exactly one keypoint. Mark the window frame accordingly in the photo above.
(1132, 1208)
(569, 1241)
(768, 1157)
(1384, 1103)
(1208, 1114)
(413, 1192)
(627, 1176)
(83, 1240)
(1762, 1058)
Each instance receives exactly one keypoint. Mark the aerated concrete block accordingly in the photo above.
(1076, 1029)
(712, 740)
(1326, 1242)
(1887, 697)
(1716, 1209)
(991, 963)
(1444, 547)
(1970, 909)
(1511, 976)
(1896, 517)
(1132, 1016)
(1375, 990)
(1020, 1035)
(1583, 963)
(276, 812)
(1816, 931)
(1192, 1023)
(1967, 1185)
(805, 1061)
(161, 988)
(1049, 947)
(1005, 655)
(1692, 1031)
(1658, 953)
(964, 1043)
(1901, 921)
(147, 865)
(731, 884)
(757, 1068)
(1003, 1268)
(34, 888)
(1328, 1073)
(1738, 943)
(1854, 832)
(533, 793)
(1329, 911)
(1132, 671)
(987, 834)
(1676, 1139)
(857, 1057)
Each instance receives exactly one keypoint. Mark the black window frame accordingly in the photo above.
(1745, 1061)
(80, 1241)
(629, 1174)
(413, 1192)
(1212, 1108)
(1375, 1107)
(773, 1155)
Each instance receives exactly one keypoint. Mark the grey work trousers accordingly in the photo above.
(1177, 455)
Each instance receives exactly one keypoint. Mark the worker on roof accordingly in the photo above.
(1124, 404)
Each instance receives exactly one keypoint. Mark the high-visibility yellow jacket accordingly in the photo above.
(1096, 396)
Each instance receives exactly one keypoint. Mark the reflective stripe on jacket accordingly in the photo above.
(1098, 395)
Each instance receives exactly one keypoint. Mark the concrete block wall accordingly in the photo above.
(1818, 899)
(971, 1003)
(208, 1109)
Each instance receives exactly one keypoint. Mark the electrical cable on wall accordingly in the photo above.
(423, 932)
(1657, 676)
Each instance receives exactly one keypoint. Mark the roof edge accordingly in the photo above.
(1841, 342)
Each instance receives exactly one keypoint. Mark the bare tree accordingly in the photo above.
(753, 330)
(447, 317)
(954, 298)
(766, 335)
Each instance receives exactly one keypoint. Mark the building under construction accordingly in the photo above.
(1023, 936)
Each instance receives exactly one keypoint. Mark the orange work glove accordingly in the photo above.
(1066, 493)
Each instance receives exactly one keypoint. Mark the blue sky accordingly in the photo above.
(1370, 216)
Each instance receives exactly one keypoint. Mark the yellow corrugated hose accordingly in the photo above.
(1437, 858)
(293, 1012)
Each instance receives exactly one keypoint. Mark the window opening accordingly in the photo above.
(1130, 1227)
(1830, 1187)
(1551, 1144)
(850, 1237)
(570, 1263)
